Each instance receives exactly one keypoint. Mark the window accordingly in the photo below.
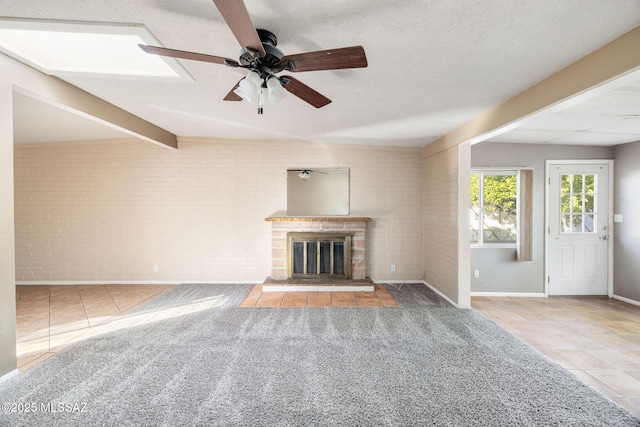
(494, 208)
(578, 201)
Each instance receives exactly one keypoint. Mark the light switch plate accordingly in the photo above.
(617, 218)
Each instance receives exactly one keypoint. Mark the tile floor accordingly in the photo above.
(597, 339)
(50, 317)
(378, 298)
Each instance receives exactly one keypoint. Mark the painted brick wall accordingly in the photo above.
(111, 211)
(440, 187)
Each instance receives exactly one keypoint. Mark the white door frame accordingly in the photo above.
(548, 165)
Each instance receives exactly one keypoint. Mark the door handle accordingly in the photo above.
(605, 237)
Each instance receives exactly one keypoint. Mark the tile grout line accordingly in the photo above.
(86, 314)
(112, 299)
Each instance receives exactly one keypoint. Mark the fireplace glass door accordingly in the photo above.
(318, 254)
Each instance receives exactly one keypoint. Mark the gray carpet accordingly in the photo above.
(192, 357)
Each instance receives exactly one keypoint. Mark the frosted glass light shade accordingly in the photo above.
(275, 90)
(249, 86)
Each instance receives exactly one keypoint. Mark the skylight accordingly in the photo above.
(82, 48)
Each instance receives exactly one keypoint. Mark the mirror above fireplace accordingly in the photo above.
(317, 191)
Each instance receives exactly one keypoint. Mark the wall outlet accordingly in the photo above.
(393, 267)
(476, 274)
(156, 268)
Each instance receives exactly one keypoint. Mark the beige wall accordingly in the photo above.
(7, 262)
(440, 186)
(111, 211)
(499, 270)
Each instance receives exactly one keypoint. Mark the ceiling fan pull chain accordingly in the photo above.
(260, 101)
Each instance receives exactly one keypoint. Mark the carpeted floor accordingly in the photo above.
(192, 357)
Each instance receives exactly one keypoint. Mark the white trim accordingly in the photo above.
(610, 229)
(396, 282)
(481, 244)
(496, 245)
(548, 165)
(501, 168)
(419, 282)
(509, 294)
(627, 300)
(441, 294)
(134, 282)
(9, 375)
(170, 282)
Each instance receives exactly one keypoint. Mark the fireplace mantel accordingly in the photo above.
(353, 226)
(317, 218)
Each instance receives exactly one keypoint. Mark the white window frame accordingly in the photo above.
(496, 171)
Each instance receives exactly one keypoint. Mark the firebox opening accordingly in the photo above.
(315, 255)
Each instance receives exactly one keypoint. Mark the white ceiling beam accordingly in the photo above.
(583, 78)
(61, 94)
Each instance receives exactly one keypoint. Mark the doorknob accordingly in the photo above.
(605, 237)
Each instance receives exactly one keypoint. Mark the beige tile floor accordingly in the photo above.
(51, 317)
(597, 339)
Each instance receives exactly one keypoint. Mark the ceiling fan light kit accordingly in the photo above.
(304, 175)
(264, 60)
(268, 89)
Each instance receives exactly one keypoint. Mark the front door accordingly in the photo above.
(578, 229)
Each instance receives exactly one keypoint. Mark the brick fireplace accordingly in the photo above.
(284, 227)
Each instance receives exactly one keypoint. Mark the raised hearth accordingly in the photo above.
(317, 285)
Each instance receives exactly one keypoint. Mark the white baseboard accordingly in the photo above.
(9, 375)
(509, 294)
(627, 300)
(168, 282)
(132, 282)
(420, 281)
(396, 282)
(441, 294)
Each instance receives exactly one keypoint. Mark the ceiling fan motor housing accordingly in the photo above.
(268, 64)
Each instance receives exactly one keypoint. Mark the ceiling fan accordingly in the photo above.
(305, 174)
(264, 60)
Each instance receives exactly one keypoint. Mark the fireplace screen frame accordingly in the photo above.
(318, 238)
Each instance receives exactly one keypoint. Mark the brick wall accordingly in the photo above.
(440, 186)
(111, 211)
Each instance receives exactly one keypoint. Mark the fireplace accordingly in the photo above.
(317, 255)
(318, 247)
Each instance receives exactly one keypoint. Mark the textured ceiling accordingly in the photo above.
(433, 65)
(609, 118)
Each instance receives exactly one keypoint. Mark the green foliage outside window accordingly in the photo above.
(493, 208)
(577, 203)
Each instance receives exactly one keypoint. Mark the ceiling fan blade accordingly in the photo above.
(232, 96)
(304, 92)
(181, 54)
(332, 59)
(237, 17)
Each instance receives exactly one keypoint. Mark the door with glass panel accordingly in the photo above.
(578, 229)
